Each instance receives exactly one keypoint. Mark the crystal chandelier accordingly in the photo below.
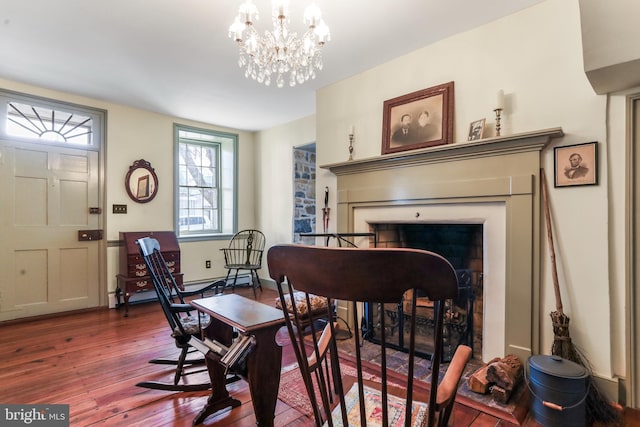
(280, 51)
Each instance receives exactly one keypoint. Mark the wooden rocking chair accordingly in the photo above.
(182, 317)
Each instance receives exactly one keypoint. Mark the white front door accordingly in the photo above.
(46, 193)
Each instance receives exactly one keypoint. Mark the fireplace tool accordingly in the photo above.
(325, 211)
(598, 408)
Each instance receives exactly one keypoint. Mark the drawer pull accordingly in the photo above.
(171, 263)
(141, 273)
(140, 266)
(141, 284)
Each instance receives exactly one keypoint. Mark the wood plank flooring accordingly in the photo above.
(92, 361)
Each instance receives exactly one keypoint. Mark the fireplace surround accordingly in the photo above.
(493, 182)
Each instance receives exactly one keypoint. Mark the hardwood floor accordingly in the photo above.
(92, 361)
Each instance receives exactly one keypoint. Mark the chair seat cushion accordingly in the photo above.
(373, 399)
(191, 324)
(317, 303)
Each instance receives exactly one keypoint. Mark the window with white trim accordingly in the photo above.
(206, 177)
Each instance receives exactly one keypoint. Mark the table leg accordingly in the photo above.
(118, 294)
(263, 373)
(126, 304)
(220, 398)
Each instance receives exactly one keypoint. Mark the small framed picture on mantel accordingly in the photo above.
(576, 165)
(476, 130)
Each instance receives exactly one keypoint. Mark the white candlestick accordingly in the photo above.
(500, 100)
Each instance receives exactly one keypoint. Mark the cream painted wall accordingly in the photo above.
(535, 56)
(274, 164)
(610, 33)
(133, 134)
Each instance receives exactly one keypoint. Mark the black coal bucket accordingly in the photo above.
(559, 388)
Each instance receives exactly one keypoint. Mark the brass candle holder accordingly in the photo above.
(498, 109)
(498, 112)
(351, 146)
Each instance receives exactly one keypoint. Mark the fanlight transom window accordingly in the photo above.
(48, 124)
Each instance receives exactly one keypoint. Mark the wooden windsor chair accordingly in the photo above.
(353, 276)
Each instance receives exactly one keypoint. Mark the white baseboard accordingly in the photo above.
(113, 301)
(609, 387)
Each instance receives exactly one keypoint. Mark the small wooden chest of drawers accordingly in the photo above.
(133, 276)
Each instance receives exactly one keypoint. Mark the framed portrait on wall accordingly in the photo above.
(576, 165)
(418, 120)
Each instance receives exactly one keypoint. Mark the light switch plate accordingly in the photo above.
(119, 209)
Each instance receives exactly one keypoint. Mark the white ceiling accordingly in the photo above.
(175, 57)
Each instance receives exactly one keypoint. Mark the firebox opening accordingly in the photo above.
(462, 246)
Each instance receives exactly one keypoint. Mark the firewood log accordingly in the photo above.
(500, 394)
(478, 380)
(506, 372)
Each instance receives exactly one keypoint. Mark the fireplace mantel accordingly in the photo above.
(521, 142)
(495, 182)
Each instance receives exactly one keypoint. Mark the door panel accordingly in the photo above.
(74, 203)
(30, 277)
(45, 196)
(30, 201)
(74, 273)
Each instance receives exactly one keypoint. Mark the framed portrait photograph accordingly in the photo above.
(576, 165)
(476, 130)
(418, 120)
(143, 187)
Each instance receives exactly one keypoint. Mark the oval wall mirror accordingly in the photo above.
(141, 181)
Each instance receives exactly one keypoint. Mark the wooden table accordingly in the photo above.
(263, 363)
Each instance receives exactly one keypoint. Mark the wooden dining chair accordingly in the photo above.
(353, 276)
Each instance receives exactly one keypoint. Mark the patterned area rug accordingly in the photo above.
(373, 410)
(293, 393)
